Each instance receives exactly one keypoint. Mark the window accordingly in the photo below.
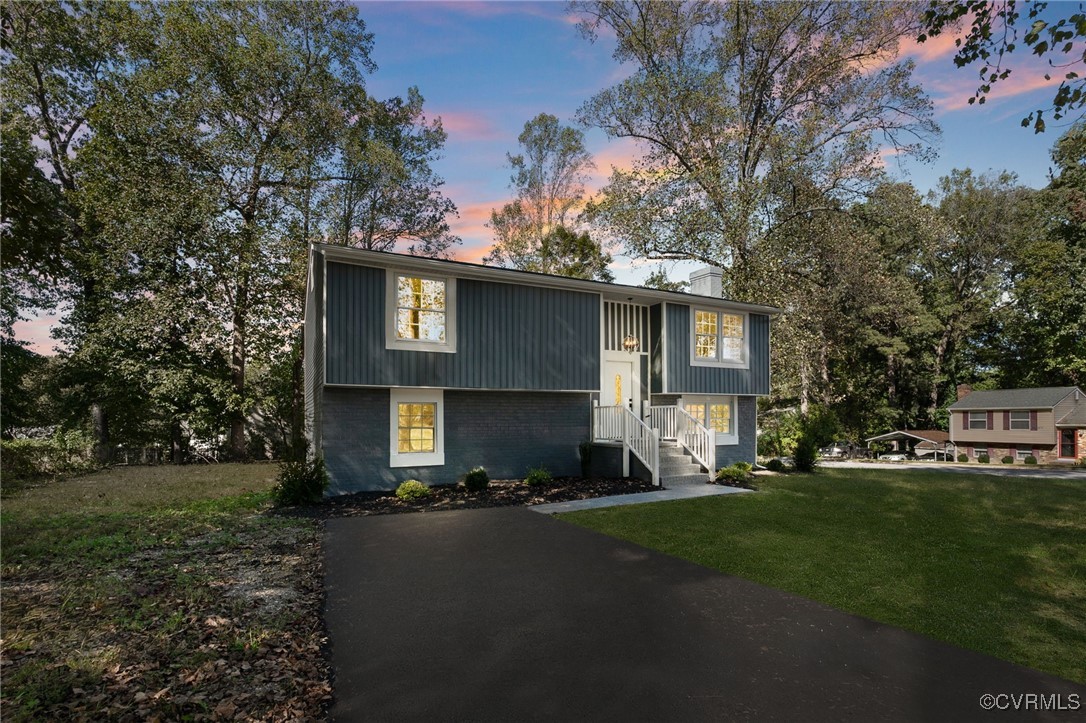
(1068, 444)
(417, 428)
(978, 451)
(421, 313)
(716, 413)
(978, 420)
(1023, 452)
(719, 337)
(1019, 420)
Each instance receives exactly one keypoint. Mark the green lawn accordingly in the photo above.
(159, 592)
(997, 565)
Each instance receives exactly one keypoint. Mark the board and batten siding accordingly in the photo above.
(684, 378)
(507, 337)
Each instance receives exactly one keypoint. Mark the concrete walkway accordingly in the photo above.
(505, 615)
(678, 492)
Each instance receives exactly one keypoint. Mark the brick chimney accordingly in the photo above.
(963, 391)
(707, 281)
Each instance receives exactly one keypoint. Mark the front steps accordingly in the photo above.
(677, 468)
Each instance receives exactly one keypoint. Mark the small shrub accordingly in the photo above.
(1007, 459)
(963, 457)
(300, 482)
(477, 480)
(806, 455)
(775, 465)
(737, 475)
(585, 451)
(1030, 460)
(538, 476)
(983, 458)
(411, 490)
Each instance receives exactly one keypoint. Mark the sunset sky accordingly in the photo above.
(488, 67)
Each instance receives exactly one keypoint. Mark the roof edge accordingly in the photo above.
(388, 259)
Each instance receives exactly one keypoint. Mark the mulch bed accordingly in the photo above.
(500, 493)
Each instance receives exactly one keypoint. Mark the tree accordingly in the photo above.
(548, 177)
(567, 253)
(258, 93)
(56, 57)
(1042, 338)
(993, 33)
(962, 275)
(751, 117)
(389, 192)
(659, 279)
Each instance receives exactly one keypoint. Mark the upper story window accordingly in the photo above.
(421, 312)
(978, 420)
(1019, 420)
(719, 338)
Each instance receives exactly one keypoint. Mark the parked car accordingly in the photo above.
(837, 449)
(894, 457)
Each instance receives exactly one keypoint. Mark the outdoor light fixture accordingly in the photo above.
(631, 343)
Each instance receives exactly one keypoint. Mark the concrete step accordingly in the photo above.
(686, 479)
(678, 468)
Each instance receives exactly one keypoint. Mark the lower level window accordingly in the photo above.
(978, 451)
(1023, 452)
(716, 413)
(417, 428)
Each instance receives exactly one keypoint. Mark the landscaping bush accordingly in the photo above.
(62, 455)
(963, 457)
(1031, 460)
(412, 489)
(300, 482)
(538, 476)
(738, 474)
(585, 451)
(477, 480)
(1007, 459)
(806, 455)
(983, 458)
(775, 465)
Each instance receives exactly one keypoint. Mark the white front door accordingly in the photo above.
(619, 386)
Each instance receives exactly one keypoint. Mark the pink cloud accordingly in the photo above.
(953, 90)
(36, 331)
(938, 48)
(619, 153)
(468, 126)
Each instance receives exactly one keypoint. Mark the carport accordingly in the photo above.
(926, 443)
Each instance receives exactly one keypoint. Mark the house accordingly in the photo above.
(921, 443)
(1048, 423)
(418, 368)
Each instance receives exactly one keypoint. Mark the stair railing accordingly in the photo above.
(620, 424)
(664, 419)
(697, 439)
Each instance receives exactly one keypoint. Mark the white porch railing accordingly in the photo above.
(698, 440)
(620, 424)
(664, 419)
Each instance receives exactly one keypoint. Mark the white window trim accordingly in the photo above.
(744, 363)
(1011, 420)
(391, 340)
(416, 459)
(984, 420)
(1023, 452)
(978, 451)
(722, 440)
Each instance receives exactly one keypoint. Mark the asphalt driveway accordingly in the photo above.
(508, 615)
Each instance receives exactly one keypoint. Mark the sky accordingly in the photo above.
(486, 68)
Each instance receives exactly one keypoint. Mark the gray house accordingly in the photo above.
(418, 368)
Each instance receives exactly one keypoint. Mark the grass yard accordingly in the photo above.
(159, 592)
(994, 564)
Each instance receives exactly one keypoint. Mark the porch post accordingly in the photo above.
(625, 442)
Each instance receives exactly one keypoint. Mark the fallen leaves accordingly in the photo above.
(223, 624)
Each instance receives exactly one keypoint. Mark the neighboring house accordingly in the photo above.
(419, 368)
(922, 443)
(1048, 423)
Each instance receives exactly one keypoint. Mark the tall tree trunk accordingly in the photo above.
(103, 451)
(237, 370)
(177, 451)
